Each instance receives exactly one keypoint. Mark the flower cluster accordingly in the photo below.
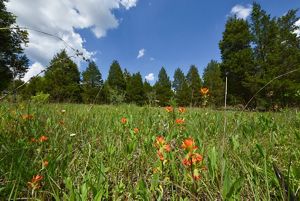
(123, 120)
(162, 147)
(35, 182)
(204, 92)
(41, 139)
(169, 109)
(192, 160)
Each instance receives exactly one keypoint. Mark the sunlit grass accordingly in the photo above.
(109, 152)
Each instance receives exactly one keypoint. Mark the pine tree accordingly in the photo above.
(92, 84)
(13, 62)
(115, 77)
(163, 88)
(237, 59)
(194, 83)
(181, 88)
(150, 95)
(62, 79)
(212, 79)
(135, 91)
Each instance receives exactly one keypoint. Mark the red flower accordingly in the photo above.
(169, 109)
(135, 130)
(179, 121)
(204, 91)
(160, 140)
(188, 144)
(35, 182)
(33, 139)
(167, 148)
(45, 163)
(43, 138)
(182, 109)
(123, 120)
(186, 162)
(160, 155)
(196, 158)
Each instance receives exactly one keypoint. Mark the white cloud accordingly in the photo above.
(241, 11)
(149, 77)
(298, 31)
(141, 53)
(62, 18)
(152, 59)
(128, 3)
(34, 69)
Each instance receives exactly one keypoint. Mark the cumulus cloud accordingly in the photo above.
(298, 31)
(149, 77)
(128, 3)
(241, 11)
(34, 69)
(141, 53)
(62, 18)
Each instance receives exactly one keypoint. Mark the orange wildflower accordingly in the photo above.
(43, 138)
(186, 162)
(188, 144)
(27, 116)
(160, 155)
(160, 140)
(167, 148)
(181, 109)
(35, 182)
(123, 120)
(179, 121)
(135, 130)
(169, 109)
(204, 90)
(196, 158)
(45, 163)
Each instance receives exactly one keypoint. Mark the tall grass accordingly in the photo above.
(93, 156)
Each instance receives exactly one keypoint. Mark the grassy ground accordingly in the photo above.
(93, 155)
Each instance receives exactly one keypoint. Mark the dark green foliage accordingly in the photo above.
(63, 79)
(13, 63)
(116, 78)
(150, 95)
(182, 91)
(212, 80)
(194, 83)
(135, 91)
(163, 88)
(92, 84)
(36, 85)
(237, 59)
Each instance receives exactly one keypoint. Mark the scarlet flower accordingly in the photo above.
(135, 130)
(188, 144)
(35, 182)
(179, 121)
(43, 138)
(169, 109)
(45, 163)
(27, 116)
(204, 90)
(160, 140)
(186, 162)
(123, 120)
(167, 148)
(160, 155)
(181, 109)
(196, 158)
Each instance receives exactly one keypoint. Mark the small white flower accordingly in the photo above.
(72, 134)
(63, 111)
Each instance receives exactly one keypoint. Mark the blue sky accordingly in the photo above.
(173, 33)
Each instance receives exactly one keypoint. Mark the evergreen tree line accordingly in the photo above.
(253, 52)
(63, 82)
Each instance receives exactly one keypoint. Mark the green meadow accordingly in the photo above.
(112, 153)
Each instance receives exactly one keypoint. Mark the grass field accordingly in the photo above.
(69, 152)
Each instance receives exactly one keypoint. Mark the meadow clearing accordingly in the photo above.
(75, 152)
